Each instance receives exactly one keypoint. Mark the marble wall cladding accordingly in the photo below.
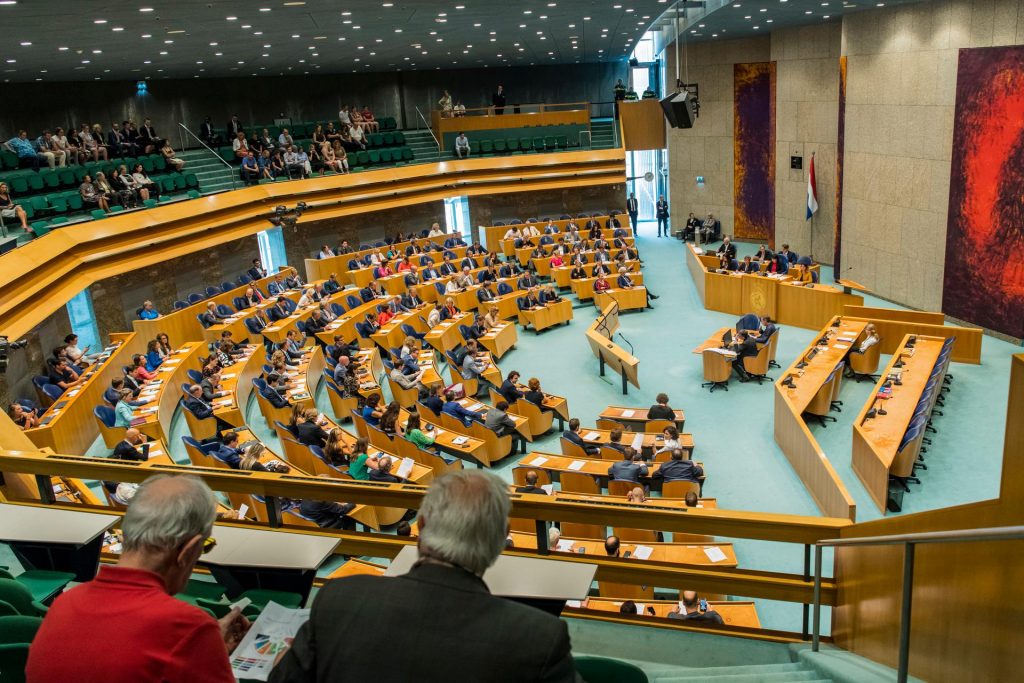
(26, 363)
(902, 70)
(706, 150)
(597, 198)
(116, 299)
(305, 240)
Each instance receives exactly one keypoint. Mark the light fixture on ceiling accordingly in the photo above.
(99, 21)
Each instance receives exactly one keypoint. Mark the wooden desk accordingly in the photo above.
(345, 324)
(54, 539)
(645, 442)
(494, 235)
(791, 432)
(660, 502)
(546, 316)
(669, 553)
(459, 443)
(714, 341)
(876, 440)
(163, 393)
(557, 464)
(391, 336)
(236, 323)
(445, 336)
(477, 406)
(500, 339)
(635, 417)
(583, 287)
(632, 299)
(357, 567)
(733, 612)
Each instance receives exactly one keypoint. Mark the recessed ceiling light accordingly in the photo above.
(26, 44)
(218, 54)
(99, 21)
(294, 4)
(97, 52)
(163, 52)
(62, 49)
(388, 4)
(460, 7)
(825, 17)
(147, 35)
(398, 30)
(145, 9)
(264, 9)
(8, 2)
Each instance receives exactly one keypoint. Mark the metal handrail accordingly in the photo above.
(909, 542)
(210, 150)
(429, 130)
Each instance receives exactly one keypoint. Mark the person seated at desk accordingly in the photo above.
(465, 279)
(371, 411)
(383, 472)
(148, 311)
(627, 253)
(509, 390)
(371, 291)
(474, 364)
(309, 428)
(602, 255)
(412, 277)
(371, 323)
(139, 371)
(435, 231)
(528, 281)
(766, 330)
(510, 268)
(113, 394)
(679, 469)
(315, 323)
(211, 387)
(791, 256)
(202, 409)
(498, 420)
(414, 431)
(453, 408)
(727, 248)
(779, 265)
(749, 266)
(538, 253)
(601, 284)
(630, 468)
(360, 462)
(328, 514)
(600, 269)
(530, 230)
(293, 280)
(691, 611)
(572, 435)
(126, 448)
(612, 545)
(383, 270)
(411, 381)
(449, 311)
(454, 240)
(801, 275)
(624, 281)
(637, 495)
(486, 293)
(530, 301)
(556, 261)
(513, 233)
(578, 272)
(331, 284)
(531, 485)
(228, 452)
(132, 604)
(210, 316)
(308, 298)
(411, 298)
(257, 272)
(22, 416)
(430, 273)
(727, 264)
(489, 273)
(433, 398)
(743, 345)
(280, 310)
(124, 413)
(385, 316)
(764, 254)
(326, 252)
(661, 410)
(548, 295)
(615, 441)
(447, 267)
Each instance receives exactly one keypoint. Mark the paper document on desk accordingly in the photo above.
(846, 339)
(592, 436)
(714, 553)
(271, 635)
(538, 461)
(724, 352)
(475, 407)
(405, 469)
(548, 489)
(459, 440)
(574, 604)
(577, 465)
(642, 552)
(841, 346)
(227, 376)
(628, 413)
(564, 545)
(638, 441)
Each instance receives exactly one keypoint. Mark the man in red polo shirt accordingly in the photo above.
(125, 626)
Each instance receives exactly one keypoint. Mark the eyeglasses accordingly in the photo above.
(209, 544)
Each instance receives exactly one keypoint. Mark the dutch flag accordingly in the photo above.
(812, 192)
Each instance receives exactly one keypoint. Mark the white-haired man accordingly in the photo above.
(451, 628)
(129, 611)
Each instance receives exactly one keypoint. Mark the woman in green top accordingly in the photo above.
(359, 463)
(413, 433)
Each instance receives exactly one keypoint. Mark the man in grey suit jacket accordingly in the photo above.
(451, 628)
(629, 468)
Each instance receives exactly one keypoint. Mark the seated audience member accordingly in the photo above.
(670, 439)
(383, 472)
(63, 376)
(22, 416)
(749, 266)
(201, 408)
(414, 433)
(498, 419)
(474, 364)
(372, 411)
(113, 394)
(636, 495)
(328, 514)
(9, 210)
(310, 430)
(764, 254)
(462, 530)
(534, 394)
(127, 448)
(360, 462)
(453, 408)
(766, 329)
(509, 390)
(572, 434)
(531, 485)
(228, 451)
(691, 500)
(726, 248)
(612, 546)
(167, 527)
(91, 195)
(630, 468)
(461, 146)
(678, 469)
(250, 169)
(743, 345)
(691, 611)
(615, 441)
(434, 398)
(707, 229)
(661, 410)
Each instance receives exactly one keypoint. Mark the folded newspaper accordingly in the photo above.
(268, 638)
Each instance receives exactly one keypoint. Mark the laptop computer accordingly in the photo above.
(727, 338)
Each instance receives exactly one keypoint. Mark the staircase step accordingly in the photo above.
(711, 675)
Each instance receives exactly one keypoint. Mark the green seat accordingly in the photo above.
(19, 184)
(374, 156)
(40, 204)
(164, 198)
(50, 178)
(26, 204)
(474, 147)
(9, 159)
(74, 201)
(98, 214)
(261, 596)
(538, 144)
(35, 181)
(194, 194)
(525, 144)
(40, 227)
(129, 162)
(550, 142)
(167, 183)
(407, 154)
(58, 202)
(363, 157)
(147, 164)
(58, 220)
(191, 180)
(399, 137)
(149, 203)
(512, 144)
(116, 208)
(389, 138)
(486, 147)
(16, 633)
(607, 670)
(7, 610)
(499, 146)
(79, 174)
(201, 589)
(160, 164)
(67, 177)
(562, 141)
(375, 140)
(179, 181)
(20, 598)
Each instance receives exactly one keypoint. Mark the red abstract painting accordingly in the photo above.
(754, 151)
(984, 276)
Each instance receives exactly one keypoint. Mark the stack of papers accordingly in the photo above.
(642, 552)
(564, 545)
(592, 436)
(841, 346)
(405, 469)
(628, 413)
(577, 465)
(638, 441)
(459, 440)
(538, 461)
(714, 553)
(548, 488)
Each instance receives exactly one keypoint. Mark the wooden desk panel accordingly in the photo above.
(672, 553)
(546, 316)
(583, 287)
(733, 612)
(966, 349)
(632, 299)
(877, 440)
(811, 307)
(724, 293)
(638, 416)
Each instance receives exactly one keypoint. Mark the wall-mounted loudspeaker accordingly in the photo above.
(680, 109)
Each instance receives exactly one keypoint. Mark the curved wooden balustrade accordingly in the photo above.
(46, 273)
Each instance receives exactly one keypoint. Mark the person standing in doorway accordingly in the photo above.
(662, 214)
(633, 209)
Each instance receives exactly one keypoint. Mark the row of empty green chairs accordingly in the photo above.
(550, 143)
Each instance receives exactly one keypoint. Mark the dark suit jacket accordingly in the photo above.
(510, 392)
(125, 451)
(311, 434)
(680, 470)
(532, 489)
(427, 609)
(200, 409)
(575, 438)
(632, 205)
(660, 412)
(729, 249)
